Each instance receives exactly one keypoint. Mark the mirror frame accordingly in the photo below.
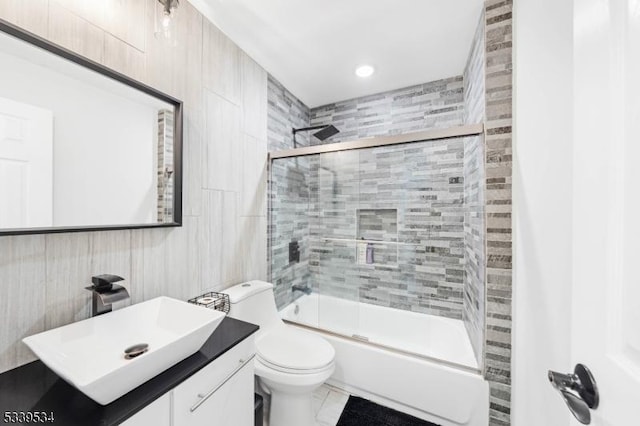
(67, 54)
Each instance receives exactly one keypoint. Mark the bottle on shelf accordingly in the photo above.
(361, 252)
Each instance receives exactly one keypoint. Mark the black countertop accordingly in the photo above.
(34, 387)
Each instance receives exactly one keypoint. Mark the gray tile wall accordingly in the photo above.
(165, 163)
(222, 240)
(430, 105)
(424, 182)
(285, 113)
(499, 99)
(474, 76)
(474, 198)
(416, 194)
(330, 188)
(289, 192)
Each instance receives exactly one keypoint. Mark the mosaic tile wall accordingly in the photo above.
(474, 198)
(165, 166)
(285, 112)
(426, 106)
(328, 187)
(424, 272)
(288, 193)
(415, 192)
(498, 133)
(473, 78)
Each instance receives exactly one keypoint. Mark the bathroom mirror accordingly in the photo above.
(82, 147)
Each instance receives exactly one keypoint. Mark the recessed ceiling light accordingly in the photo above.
(365, 71)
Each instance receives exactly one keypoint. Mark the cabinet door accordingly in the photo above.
(231, 405)
(157, 413)
(220, 394)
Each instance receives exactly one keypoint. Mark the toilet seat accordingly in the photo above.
(282, 369)
(295, 352)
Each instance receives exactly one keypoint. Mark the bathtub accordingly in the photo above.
(420, 364)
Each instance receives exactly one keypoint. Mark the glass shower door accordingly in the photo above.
(334, 254)
(289, 243)
(389, 240)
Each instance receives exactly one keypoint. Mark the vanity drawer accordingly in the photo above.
(220, 393)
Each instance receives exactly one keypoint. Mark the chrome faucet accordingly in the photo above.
(306, 290)
(105, 293)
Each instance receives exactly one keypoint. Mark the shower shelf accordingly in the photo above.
(380, 265)
(353, 240)
(390, 265)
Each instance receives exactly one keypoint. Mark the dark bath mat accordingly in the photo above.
(361, 412)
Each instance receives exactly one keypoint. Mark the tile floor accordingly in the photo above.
(328, 403)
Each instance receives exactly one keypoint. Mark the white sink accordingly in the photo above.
(90, 354)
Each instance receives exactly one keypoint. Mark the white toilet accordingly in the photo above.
(290, 364)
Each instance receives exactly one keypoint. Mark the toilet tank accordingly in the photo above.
(254, 302)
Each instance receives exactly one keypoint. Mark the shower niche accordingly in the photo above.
(377, 237)
(377, 225)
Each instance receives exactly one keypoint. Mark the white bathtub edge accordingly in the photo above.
(417, 334)
(424, 389)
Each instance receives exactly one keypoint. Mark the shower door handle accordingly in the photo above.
(579, 391)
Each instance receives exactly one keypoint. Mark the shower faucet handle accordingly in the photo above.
(294, 252)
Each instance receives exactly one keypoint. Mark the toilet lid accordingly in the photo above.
(295, 350)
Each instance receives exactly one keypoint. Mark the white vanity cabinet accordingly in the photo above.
(220, 394)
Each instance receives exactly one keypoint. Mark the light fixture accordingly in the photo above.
(165, 20)
(365, 71)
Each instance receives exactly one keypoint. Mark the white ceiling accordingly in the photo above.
(314, 46)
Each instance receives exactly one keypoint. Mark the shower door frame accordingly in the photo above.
(427, 135)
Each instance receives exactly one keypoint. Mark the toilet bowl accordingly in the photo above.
(289, 364)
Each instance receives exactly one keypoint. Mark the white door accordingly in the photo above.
(606, 242)
(26, 165)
